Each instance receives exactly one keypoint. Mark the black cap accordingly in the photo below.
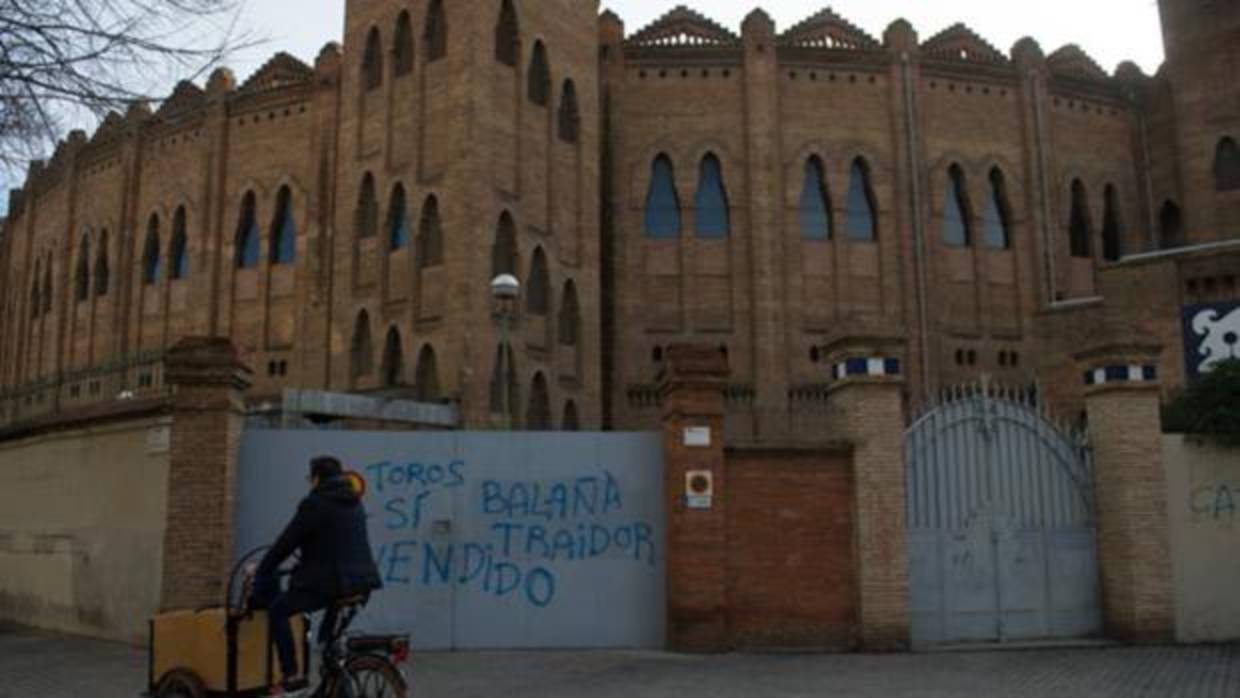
(325, 468)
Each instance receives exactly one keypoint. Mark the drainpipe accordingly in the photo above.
(919, 233)
(1048, 238)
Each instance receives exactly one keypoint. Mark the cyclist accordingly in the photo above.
(329, 529)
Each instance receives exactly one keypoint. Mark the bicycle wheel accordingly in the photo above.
(376, 677)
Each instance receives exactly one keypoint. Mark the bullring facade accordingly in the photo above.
(763, 192)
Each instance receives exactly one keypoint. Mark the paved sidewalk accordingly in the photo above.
(46, 666)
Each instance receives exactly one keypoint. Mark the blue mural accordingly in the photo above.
(1211, 336)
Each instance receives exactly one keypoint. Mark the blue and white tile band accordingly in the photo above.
(1133, 373)
(865, 367)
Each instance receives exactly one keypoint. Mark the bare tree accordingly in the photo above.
(63, 59)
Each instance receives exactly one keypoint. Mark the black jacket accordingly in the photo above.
(330, 531)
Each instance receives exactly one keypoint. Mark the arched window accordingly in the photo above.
(504, 252)
(507, 35)
(538, 412)
(372, 61)
(816, 221)
(662, 201)
(361, 354)
(538, 295)
(436, 34)
(81, 275)
(402, 47)
(570, 420)
(504, 392)
(538, 80)
(957, 221)
(998, 218)
(862, 211)
(1170, 226)
(367, 215)
(1080, 229)
(397, 220)
(570, 117)
(1112, 230)
(430, 235)
(248, 234)
(426, 384)
(102, 269)
(393, 366)
(570, 316)
(283, 230)
(178, 252)
(150, 253)
(711, 202)
(1227, 165)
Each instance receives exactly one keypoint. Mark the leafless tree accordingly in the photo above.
(61, 60)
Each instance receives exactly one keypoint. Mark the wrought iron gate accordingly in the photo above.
(1001, 523)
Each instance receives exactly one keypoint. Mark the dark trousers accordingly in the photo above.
(285, 606)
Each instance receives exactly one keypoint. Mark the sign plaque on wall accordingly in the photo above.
(699, 489)
(697, 437)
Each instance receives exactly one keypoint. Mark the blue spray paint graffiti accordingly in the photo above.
(534, 527)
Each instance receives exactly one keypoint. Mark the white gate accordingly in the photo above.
(1001, 523)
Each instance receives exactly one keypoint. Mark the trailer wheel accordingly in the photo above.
(180, 683)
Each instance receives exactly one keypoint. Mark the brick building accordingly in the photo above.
(765, 192)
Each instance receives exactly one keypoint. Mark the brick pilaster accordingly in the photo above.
(1125, 426)
(209, 380)
(867, 401)
(692, 393)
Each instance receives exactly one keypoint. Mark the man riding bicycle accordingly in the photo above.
(329, 529)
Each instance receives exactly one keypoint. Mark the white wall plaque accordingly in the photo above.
(697, 437)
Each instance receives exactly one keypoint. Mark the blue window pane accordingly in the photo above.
(955, 217)
(398, 223)
(861, 225)
(662, 202)
(815, 210)
(286, 237)
(180, 257)
(711, 201)
(151, 265)
(249, 246)
(995, 219)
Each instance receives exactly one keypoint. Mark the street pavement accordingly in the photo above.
(40, 665)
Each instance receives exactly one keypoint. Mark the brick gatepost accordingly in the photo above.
(208, 408)
(696, 552)
(1122, 397)
(867, 407)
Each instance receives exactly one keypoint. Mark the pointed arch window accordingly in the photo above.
(393, 366)
(570, 116)
(283, 230)
(538, 80)
(662, 201)
(102, 270)
(398, 220)
(435, 35)
(361, 353)
(507, 35)
(1080, 228)
(402, 46)
(504, 251)
(426, 382)
(713, 219)
(570, 421)
(430, 235)
(570, 316)
(248, 233)
(81, 275)
(372, 61)
(366, 217)
(150, 253)
(997, 223)
(538, 412)
(862, 211)
(178, 251)
(538, 295)
(957, 225)
(815, 209)
(1170, 226)
(504, 391)
(1112, 228)
(1227, 165)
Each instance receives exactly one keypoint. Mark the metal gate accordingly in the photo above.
(489, 540)
(1001, 523)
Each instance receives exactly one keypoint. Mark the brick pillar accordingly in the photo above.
(692, 393)
(209, 380)
(867, 404)
(1125, 426)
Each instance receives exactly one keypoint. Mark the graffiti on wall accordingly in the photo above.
(1211, 336)
(1214, 503)
(521, 534)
